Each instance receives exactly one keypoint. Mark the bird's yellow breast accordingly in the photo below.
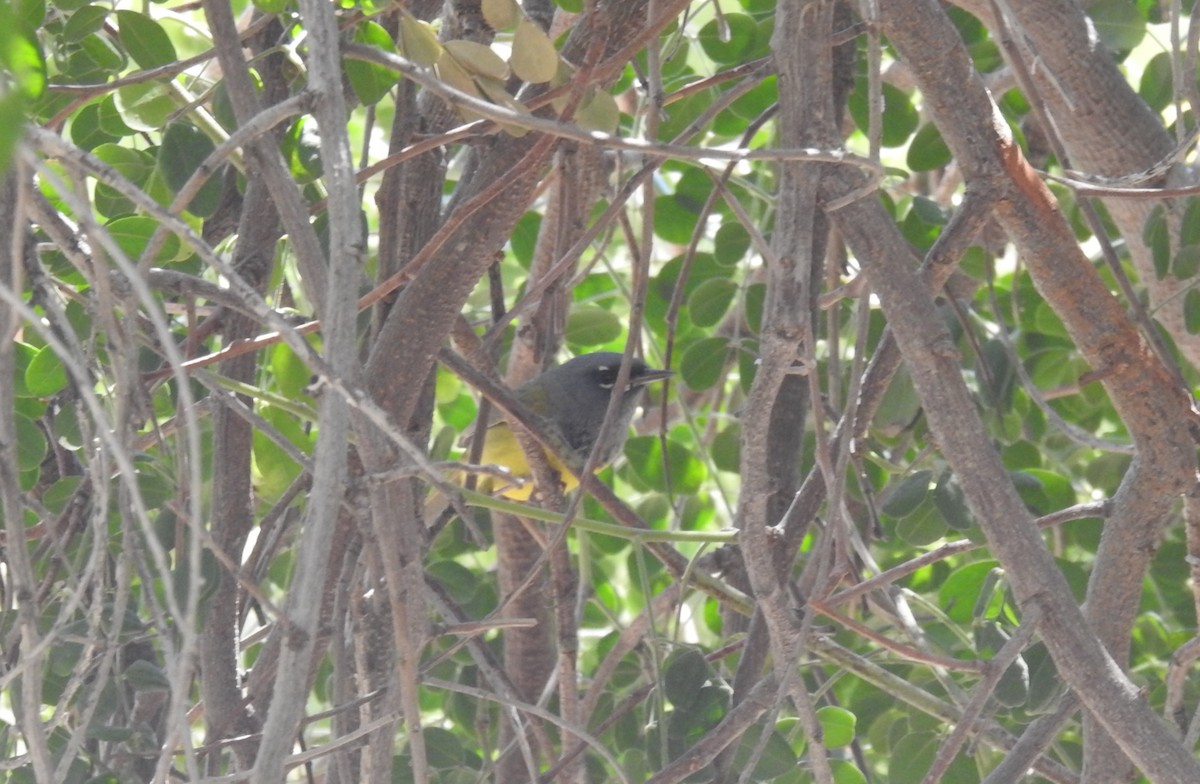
(502, 448)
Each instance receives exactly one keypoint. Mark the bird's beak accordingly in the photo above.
(649, 377)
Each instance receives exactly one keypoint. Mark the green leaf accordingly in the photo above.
(963, 587)
(756, 295)
(1156, 85)
(929, 211)
(728, 44)
(1047, 322)
(59, 494)
(145, 40)
(222, 109)
(684, 673)
(302, 148)
(84, 22)
(923, 526)
(461, 583)
(443, 747)
(777, 759)
(900, 117)
(1044, 491)
(846, 773)
(45, 375)
(23, 354)
(928, 150)
(747, 366)
(86, 132)
(591, 325)
(684, 470)
(371, 82)
(21, 56)
(705, 712)
(903, 498)
(103, 52)
(730, 243)
(1186, 262)
(184, 148)
(673, 221)
(748, 107)
(135, 165)
(709, 303)
(1191, 311)
(1157, 237)
(31, 444)
(837, 726)
(899, 407)
(703, 363)
(523, 239)
(30, 13)
(274, 468)
(912, 756)
(145, 106)
(1001, 378)
(726, 449)
(950, 501)
(132, 233)
(1189, 227)
(1046, 685)
(1013, 689)
(680, 114)
(534, 58)
(292, 376)
(1119, 24)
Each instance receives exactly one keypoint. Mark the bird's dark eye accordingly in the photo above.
(606, 376)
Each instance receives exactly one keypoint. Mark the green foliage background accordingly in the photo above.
(96, 638)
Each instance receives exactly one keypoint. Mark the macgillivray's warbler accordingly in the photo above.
(574, 396)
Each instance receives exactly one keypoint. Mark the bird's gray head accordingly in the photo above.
(578, 391)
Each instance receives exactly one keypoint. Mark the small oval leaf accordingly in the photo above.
(534, 58)
(906, 496)
(45, 374)
(418, 41)
(145, 40)
(499, 14)
(599, 113)
(710, 301)
(703, 363)
(591, 325)
(478, 59)
(1191, 311)
(684, 673)
(837, 725)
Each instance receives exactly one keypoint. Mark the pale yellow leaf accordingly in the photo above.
(418, 41)
(534, 57)
(600, 113)
(499, 14)
(478, 59)
(496, 93)
(452, 73)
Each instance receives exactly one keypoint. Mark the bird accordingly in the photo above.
(574, 396)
